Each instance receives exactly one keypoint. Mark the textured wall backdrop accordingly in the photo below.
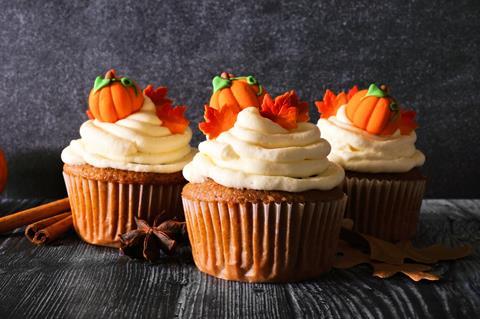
(51, 51)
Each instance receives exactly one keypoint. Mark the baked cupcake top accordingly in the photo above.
(131, 129)
(369, 132)
(269, 147)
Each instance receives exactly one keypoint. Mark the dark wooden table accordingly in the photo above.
(71, 279)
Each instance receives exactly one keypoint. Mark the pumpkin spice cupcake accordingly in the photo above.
(373, 139)
(128, 161)
(263, 203)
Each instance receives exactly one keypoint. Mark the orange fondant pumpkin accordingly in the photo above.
(113, 99)
(240, 92)
(373, 110)
(3, 171)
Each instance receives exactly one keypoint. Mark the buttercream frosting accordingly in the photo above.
(257, 153)
(136, 143)
(357, 150)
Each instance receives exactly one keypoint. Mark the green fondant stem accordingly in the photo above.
(374, 90)
(219, 83)
(100, 83)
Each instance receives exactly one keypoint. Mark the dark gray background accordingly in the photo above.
(51, 51)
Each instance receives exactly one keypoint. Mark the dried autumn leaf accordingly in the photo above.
(395, 254)
(218, 121)
(348, 257)
(416, 272)
(435, 253)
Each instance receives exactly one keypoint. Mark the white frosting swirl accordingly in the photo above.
(357, 150)
(136, 143)
(259, 154)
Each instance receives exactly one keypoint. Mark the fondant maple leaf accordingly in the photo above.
(172, 117)
(286, 110)
(158, 95)
(331, 102)
(407, 121)
(218, 121)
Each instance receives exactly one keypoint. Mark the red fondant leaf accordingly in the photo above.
(158, 95)
(352, 92)
(280, 113)
(173, 117)
(90, 115)
(331, 102)
(407, 121)
(218, 121)
(286, 110)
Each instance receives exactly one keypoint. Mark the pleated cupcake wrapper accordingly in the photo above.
(257, 242)
(384, 209)
(102, 211)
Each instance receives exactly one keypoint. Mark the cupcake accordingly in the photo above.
(128, 161)
(373, 139)
(263, 203)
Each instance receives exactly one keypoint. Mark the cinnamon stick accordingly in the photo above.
(25, 217)
(53, 231)
(32, 229)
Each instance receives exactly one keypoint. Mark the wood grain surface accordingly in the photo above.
(70, 279)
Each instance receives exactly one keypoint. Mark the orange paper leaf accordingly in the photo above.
(331, 102)
(172, 118)
(218, 121)
(286, 110)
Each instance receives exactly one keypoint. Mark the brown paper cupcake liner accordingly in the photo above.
(264, 242)
(104, 210)
(387, 209)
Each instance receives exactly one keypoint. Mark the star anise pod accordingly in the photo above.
(148, 241)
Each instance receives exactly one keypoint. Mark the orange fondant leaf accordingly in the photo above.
(416, 272)
(173, 117)
(286, 110)
(218, 121)
(407, 121)
(158, 95)
(331, 102)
